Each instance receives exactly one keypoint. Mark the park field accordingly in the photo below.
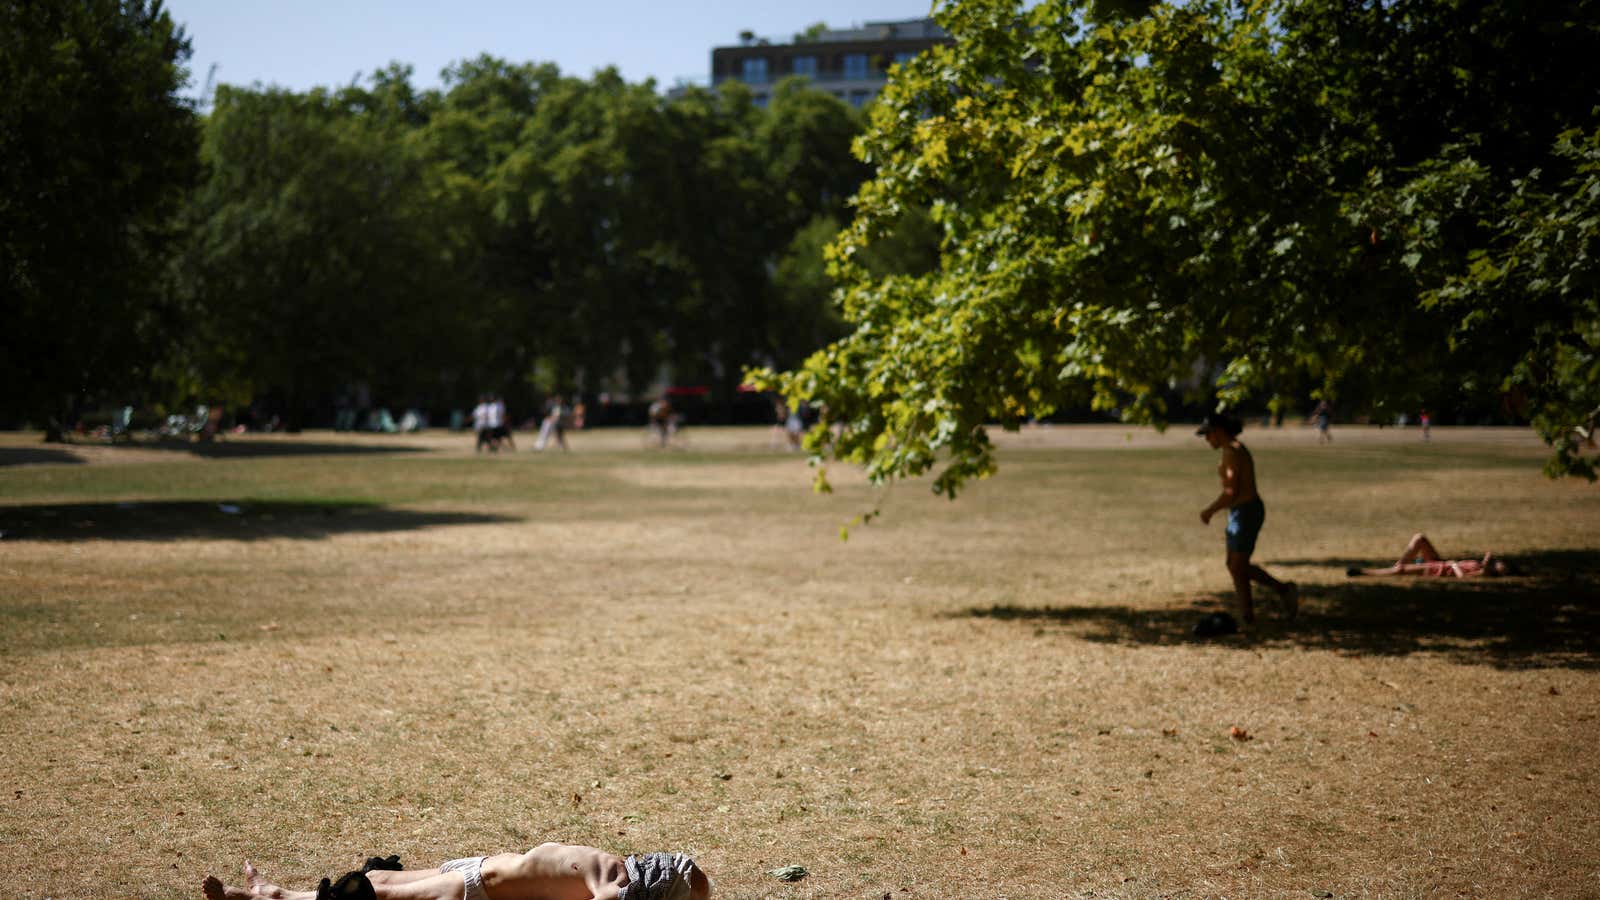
(309, 649)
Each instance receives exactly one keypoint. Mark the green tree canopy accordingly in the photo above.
(320, 252)
(1219, 200)
(97, 151)
(519, 230)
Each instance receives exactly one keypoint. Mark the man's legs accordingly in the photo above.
(1244, 572)
(1419, 548)
(404, 876)
(417, 884)
(1288, 591)
(1239, 568)
(435, 885)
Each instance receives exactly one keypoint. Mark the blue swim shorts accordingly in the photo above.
(1244, 525)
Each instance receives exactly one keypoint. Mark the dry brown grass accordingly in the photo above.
(432, 654)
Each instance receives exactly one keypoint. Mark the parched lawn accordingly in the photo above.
(308, 650)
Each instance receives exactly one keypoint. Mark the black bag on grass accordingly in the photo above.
(350, 886)
(1216, 625)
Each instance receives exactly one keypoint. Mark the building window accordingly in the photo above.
(903, 57)
(860, 98)
(805, 65)
(753, 70)
(855, 65)
(761, 101)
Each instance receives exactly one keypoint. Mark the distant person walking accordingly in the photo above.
(794, 425)
(500, 423)
(554, 424)
(1323, 415)
(1427, 425)
(480, 425)
(1246, 513)
(664, 422)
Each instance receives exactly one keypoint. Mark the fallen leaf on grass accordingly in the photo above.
(1238, 734)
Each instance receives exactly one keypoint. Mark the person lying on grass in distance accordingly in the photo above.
(553, 871)
(1420, 558)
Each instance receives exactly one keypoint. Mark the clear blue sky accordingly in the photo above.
(301, 44)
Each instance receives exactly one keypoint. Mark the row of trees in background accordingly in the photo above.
(1388, 203)
(1119, 204)
(517, 230)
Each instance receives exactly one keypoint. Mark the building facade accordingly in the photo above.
(852, 64)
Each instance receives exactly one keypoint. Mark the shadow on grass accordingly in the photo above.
(1549, 618)
(31, 456)
(245, 520)
(225, 449)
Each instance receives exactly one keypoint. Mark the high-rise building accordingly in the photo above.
(852, 64)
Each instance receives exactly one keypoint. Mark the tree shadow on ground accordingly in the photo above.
(224, 449)
(245, 520)
(32, 456)
(1547, 618)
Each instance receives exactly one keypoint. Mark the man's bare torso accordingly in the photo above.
(1238, 470)
(554, 872)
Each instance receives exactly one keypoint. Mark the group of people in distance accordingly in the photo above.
(1247, 513)
(489, 422)
(493, 428)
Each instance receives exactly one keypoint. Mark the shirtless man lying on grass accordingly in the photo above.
(1420, 558)
(547, 872)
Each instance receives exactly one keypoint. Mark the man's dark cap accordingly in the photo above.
(1219, 420)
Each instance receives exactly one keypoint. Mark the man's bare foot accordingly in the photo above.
(257, 887)
(261, 887)
(213, 889)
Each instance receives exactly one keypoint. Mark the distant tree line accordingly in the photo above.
(1128, 206)
(517, 230)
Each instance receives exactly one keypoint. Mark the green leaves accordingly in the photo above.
(520, 230)
(96, 153)
(1204, 202)
(1539, 279)
(320, 250)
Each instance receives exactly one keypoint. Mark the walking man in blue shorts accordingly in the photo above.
(1246, 513)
